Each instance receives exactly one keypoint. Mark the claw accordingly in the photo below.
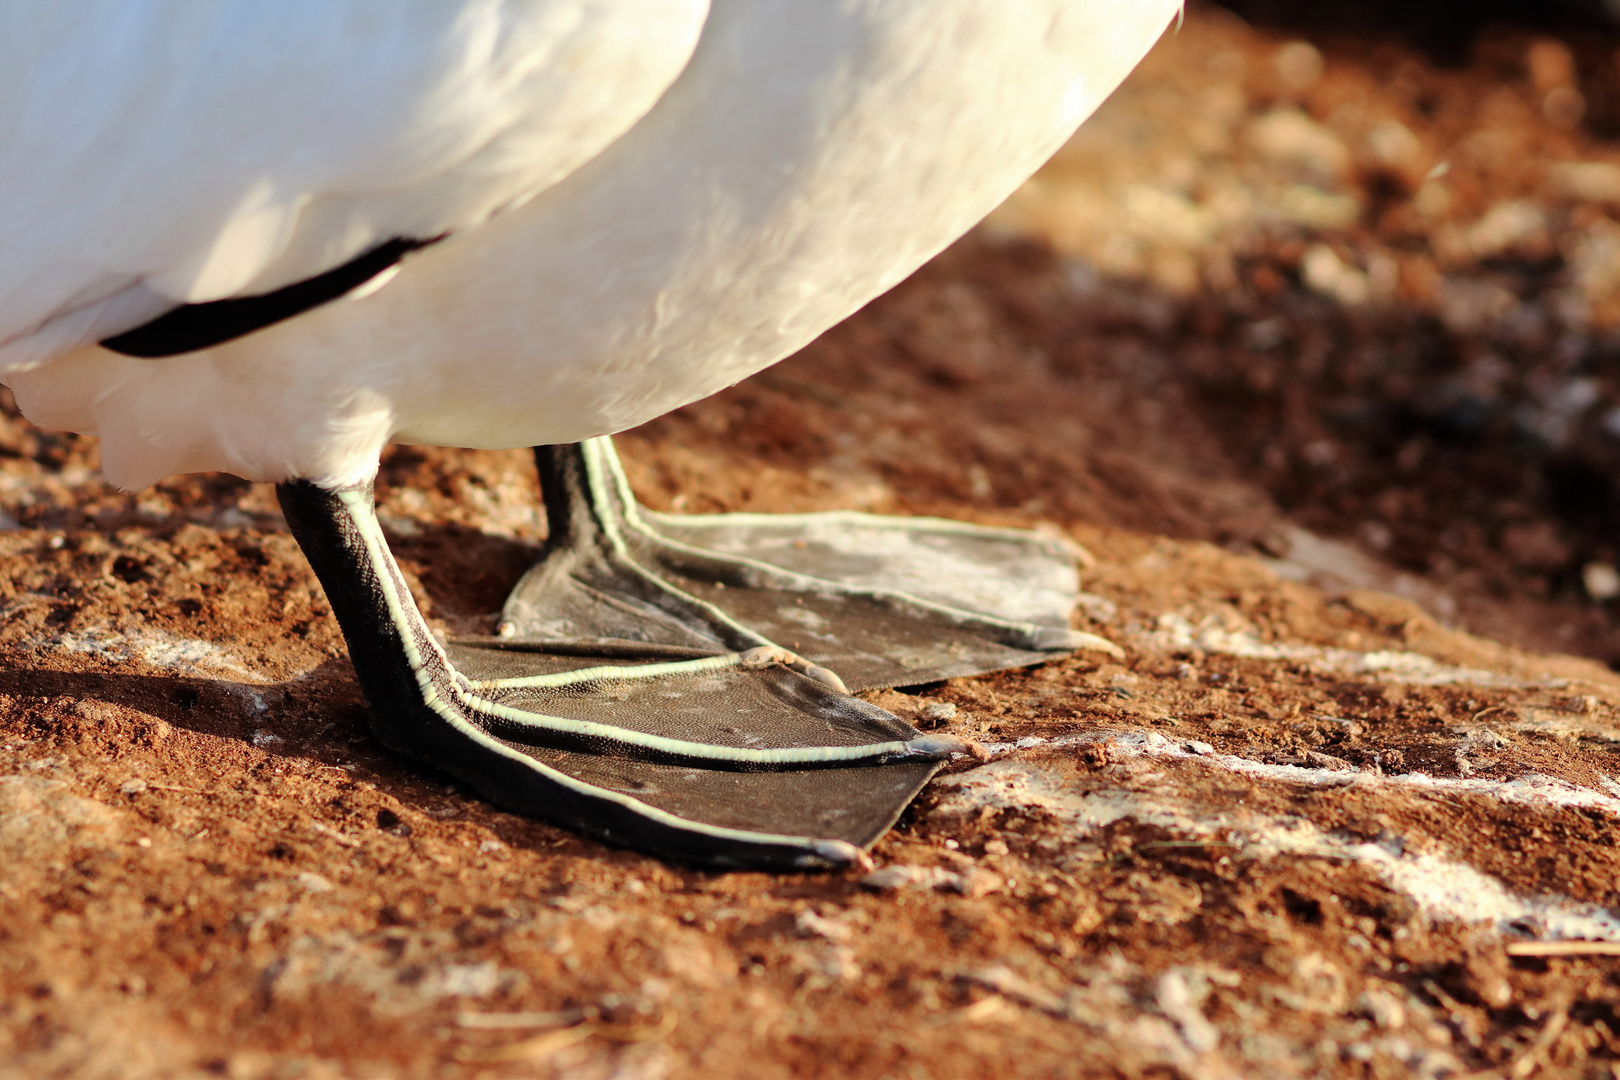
(937, 746)
(823, 675)
(1057, 638)
(842, 853)
(766, 655)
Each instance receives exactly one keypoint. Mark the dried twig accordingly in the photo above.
(342, 838)
(1563, 948)
(1536, 1054)
(1009, 984)
(508, 1021)
(543, 1046)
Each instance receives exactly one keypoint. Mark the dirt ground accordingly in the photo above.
(1311, 338)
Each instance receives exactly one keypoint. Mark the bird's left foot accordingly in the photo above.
(741, 758)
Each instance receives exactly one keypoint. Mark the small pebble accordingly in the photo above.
(315, 883)
(809, 924)
(1197, 746)
(1602, 581)
(970, 882)
(975, 882)
(941, 711)
(1299, 65)
(889, 878)
(1382, 1009)
(996, 847)
(132, 787)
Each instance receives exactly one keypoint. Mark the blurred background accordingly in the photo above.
(1335, 282)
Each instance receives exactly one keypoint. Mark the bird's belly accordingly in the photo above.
(725, 232)
(734, 223)
(809, 158)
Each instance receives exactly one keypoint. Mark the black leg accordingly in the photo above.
(737, 757)
(588, 583)
(881, 601)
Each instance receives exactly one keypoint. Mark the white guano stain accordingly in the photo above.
(187, 656)
(1176, 633)
(1443, 888)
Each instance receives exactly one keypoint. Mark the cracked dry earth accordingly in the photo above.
(1316, 820)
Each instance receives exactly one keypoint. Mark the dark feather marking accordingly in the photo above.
(198, 326)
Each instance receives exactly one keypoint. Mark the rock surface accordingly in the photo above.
(1317, 820)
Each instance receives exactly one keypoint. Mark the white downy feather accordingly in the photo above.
(178, 151)
(810, 156)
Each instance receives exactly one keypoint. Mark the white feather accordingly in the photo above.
(190, 150)
(811, 155)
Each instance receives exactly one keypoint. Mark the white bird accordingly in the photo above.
(269, 239)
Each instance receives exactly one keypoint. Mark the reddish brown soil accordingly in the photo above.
(1342, 536)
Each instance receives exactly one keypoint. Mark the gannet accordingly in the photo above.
(270, 239)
